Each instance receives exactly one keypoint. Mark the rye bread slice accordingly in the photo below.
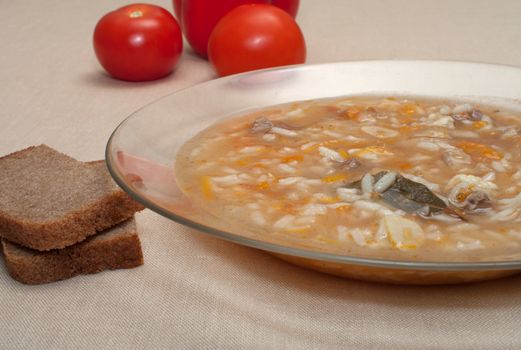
(115, 248)
(49, 200)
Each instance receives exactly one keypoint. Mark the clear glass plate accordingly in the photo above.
(141, 152)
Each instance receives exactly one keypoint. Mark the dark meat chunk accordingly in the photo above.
(476, 200)
(473, 115)
(351, 163)
(261, 125)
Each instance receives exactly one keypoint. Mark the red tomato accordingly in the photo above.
(254, 37)
(199, 17)
(290, 6)
(138, 42)
(177, 10)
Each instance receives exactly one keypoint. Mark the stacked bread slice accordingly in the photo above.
(60, 217)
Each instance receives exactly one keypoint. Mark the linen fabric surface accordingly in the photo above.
(195, 291)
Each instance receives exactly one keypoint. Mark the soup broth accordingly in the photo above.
(385, 177)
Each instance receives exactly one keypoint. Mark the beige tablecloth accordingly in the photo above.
(195, 291)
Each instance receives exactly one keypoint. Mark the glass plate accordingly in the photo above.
(141, 152)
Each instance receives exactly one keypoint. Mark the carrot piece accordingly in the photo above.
(206, 187)
(480, 150)
(289, 159)
(343, 208)
(329, 200)
(405, 166)
(408, 109)
(343, 153)
(262, 185)
(479, 124)
(334, 178)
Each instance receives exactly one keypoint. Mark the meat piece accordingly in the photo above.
(261, 125)
(455, 157)
(476, 115)
(476, 200)
(351, 163)
(473, 115)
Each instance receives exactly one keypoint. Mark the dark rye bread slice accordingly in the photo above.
(49, 200)
(115, 248)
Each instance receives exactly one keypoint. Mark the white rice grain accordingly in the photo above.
(293, 196)
(511, 202)
(348, 194)
(359, 236)
(444, 218)
(462, 108)
(367, 183)
(498, 166)
(286, 168)
(227, 180)
(288, 150)
(330, 154)
(337, 205)
(381, 233)
(305, 220)
(505, 215)
(295, 113)
(258, 218)
(385, 182)
(314, 209)
(332, 134)
(491, 176)
(229, 170)
(444, 109)
(353, 138)
(196, 151)
(372, 207)
(517, 175)
(287, 181)
(206, 165)
(443, 121)
(428, 146)
(244, 177)
(509, 134)
(284, 221)
(307, 145)
(379, 132)
(342, 232)
(302, 186)
(471, 245)
(269, 137)
(312, 182)
(283, 132)
(251, 149)
(262, 178)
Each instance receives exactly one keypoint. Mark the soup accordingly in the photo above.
(386, 177)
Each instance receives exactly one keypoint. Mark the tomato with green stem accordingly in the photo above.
(138, 42)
